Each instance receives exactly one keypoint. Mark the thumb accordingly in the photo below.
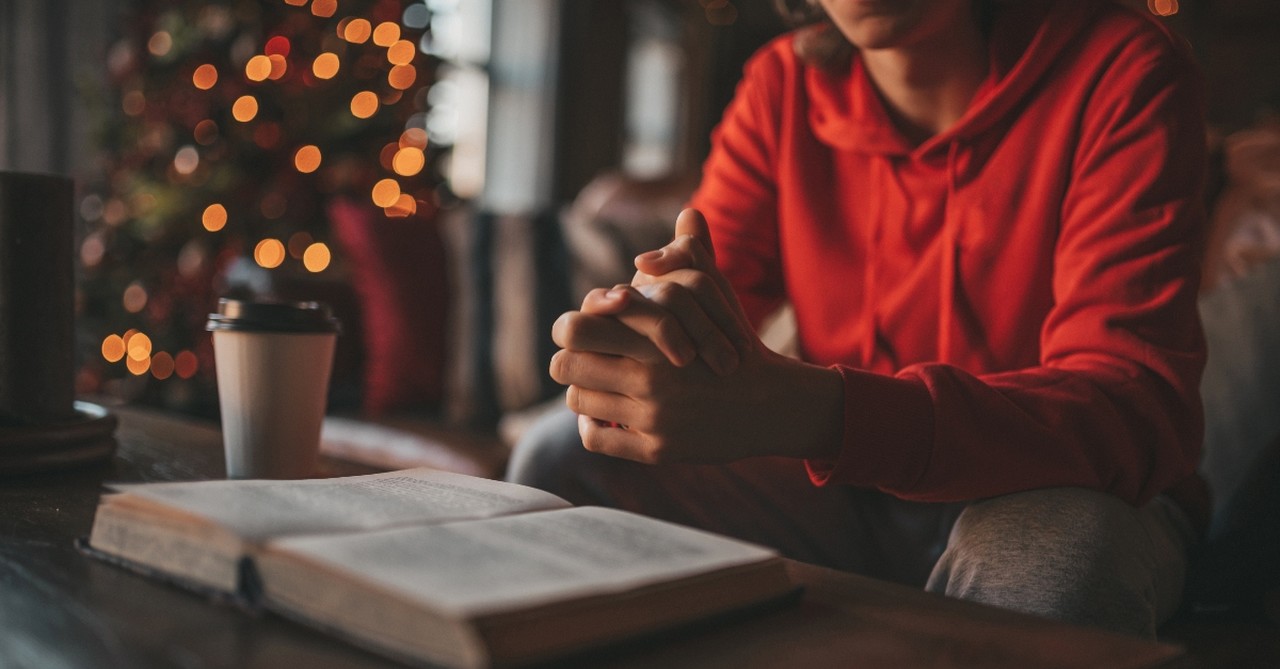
(691, 222)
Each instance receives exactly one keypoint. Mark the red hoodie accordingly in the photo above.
(1012, 302)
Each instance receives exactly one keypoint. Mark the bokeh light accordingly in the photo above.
(402, 52)
(205, 77)
(307, 159)
(186, 160)
(185, 364)
(113, 348)
(298, 243)
(134, 298)
(245, 108)
(258, 68)
(408, 161)
(296, 3)
(364, 104)
(386, 192)
(277, 46)
(269, 253)
(134, 103)
(138, 367)
(138, 346)
(160, 43)
(386, 34)
(401, 77)
(316, 258)
(162, 365)
(324, 8)
(404, 206)
(206, 132)
(357, 31)
(415, 137)
(326, 65)
(1163, 7)
(278, 66)
(214, 218)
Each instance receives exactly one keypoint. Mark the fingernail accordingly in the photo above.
(651, 256)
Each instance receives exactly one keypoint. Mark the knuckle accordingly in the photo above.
(700, 282)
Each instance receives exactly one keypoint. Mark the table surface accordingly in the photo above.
(59, 608)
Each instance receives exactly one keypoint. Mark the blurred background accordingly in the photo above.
(448, 175)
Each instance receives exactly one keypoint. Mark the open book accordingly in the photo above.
(428, 566)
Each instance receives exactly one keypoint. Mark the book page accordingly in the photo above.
(519, 561)
(258, 509)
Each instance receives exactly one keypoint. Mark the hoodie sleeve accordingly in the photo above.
(1114, 403)
(738, 194)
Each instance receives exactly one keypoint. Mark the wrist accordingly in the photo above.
(813, 399)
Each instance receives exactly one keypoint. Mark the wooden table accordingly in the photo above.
(59, 608)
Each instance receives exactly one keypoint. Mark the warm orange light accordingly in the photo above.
(404, 206)
(113, 348)
(138, 367)
(295, 3)
(316, 258)
(402, 52)
(245, 108)
(1163, 7)
(357, 31)
(307, 159)
(185, 364)
(324, 8)
(364, 104)
(258, 68)
(386, 192)
(386, 34)
(326, 65)
(160, 43)
(162, 366)
(387, 154)
(269, 253)
(206, 132)
(415, 137)
(205, 77)
(214, 218)
(408, 161)
(278, 66)
(138, 346)
(402, 77)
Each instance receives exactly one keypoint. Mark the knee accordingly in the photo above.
(1066, 553)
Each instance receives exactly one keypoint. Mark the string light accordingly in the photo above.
(206, 132)
(278, 66)
(357, 31)
(324, 8)
(386, 192)
(401, 53)
(403, 207)
(205, 77)
(316, 257)
(307, 159)
(245, 108)
(277, 46)
(408, 161)
(415, 137)
(364, 104)
(401, 77)
(326, 65)
(162, 366)
(137, 367)
(214, 217)
(386, 34)
(185, 364)
(186, 160)
(269, 253)
(1163, 7)
(160, 43)
(134, 298)
(138, 346)
(113, 348)
(258, 68)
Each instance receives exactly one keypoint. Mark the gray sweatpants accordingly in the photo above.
(1067, 553)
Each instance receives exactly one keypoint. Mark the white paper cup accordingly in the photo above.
(273, 362)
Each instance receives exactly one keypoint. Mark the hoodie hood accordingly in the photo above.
(1026, 37)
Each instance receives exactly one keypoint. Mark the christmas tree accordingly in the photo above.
(232, 128)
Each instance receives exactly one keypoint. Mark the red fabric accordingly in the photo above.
(398, 272)
(1011, 303)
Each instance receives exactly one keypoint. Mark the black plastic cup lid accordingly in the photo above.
(248, 316)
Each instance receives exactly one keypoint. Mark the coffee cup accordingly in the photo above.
(273, 361)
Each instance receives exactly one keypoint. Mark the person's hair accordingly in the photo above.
(820, 43)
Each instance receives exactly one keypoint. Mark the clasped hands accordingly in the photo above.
(668, 369)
